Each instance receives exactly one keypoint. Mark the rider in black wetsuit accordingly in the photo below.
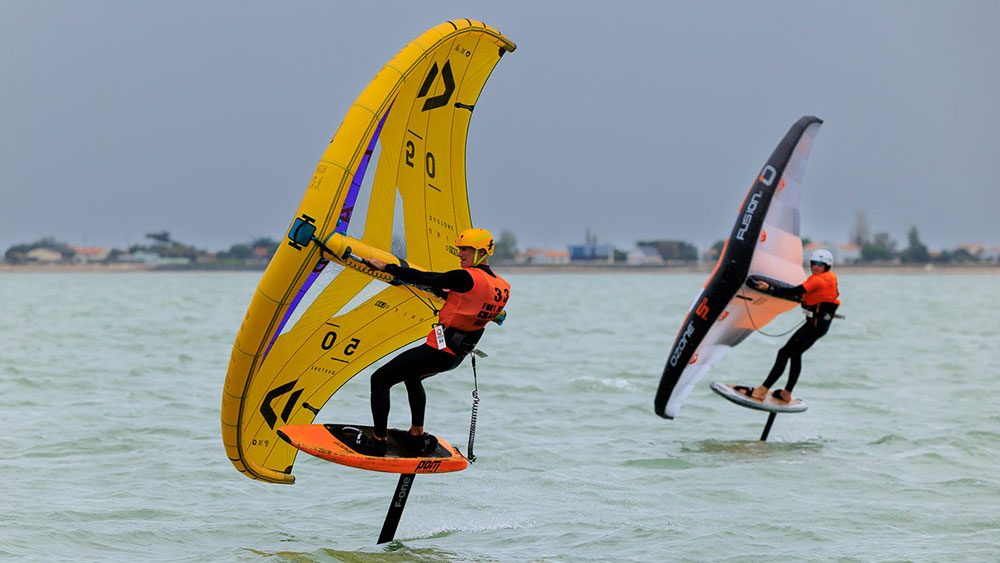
(819, 297)
(474, 295)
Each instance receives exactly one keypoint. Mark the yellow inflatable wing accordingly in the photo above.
(316, 320)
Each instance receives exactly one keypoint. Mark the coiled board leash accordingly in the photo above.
(475, 406)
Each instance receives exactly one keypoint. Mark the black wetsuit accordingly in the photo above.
(814, 328)
(417, 364)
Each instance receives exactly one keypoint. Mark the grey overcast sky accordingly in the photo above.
(637, 120)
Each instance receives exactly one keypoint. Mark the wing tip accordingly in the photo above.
(661, 411)
(809, 119)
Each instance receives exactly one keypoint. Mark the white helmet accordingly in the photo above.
(823, 256)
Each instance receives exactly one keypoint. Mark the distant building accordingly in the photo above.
(542, 256)
(591, 252)
(44, 256)
(153, 259)
(89, 254)
(982, 253)
(672, 251)
(991, 255)
(644, 254)
(975, 250)
(848, 253)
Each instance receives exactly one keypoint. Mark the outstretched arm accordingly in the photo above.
(776, 288)
(454, 280)
(794, 293)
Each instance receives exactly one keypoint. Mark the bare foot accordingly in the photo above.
(759, 393)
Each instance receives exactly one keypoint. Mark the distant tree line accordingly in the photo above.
(256, 252)
(19, 252)
(881, 247)
(677, 250)
(505, 246)
(877, 248)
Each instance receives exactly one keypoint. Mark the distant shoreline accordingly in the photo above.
(983, 269)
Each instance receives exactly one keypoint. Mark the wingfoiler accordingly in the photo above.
(391, 185)
(764, 242)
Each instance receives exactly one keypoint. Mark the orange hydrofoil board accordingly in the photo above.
(335, 442)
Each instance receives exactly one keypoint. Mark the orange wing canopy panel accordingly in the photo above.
(392, 185)
(764, 241)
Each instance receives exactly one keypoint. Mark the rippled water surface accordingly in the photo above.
(110, 387)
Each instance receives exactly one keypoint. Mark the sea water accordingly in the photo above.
(110, 445)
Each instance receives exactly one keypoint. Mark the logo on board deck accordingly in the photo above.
(441, 99)
(267, 410)
(428, 466)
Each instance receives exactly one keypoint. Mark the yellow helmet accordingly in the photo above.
(480, 239)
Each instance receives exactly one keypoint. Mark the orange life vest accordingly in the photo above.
(470, 311)
(820, 288)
